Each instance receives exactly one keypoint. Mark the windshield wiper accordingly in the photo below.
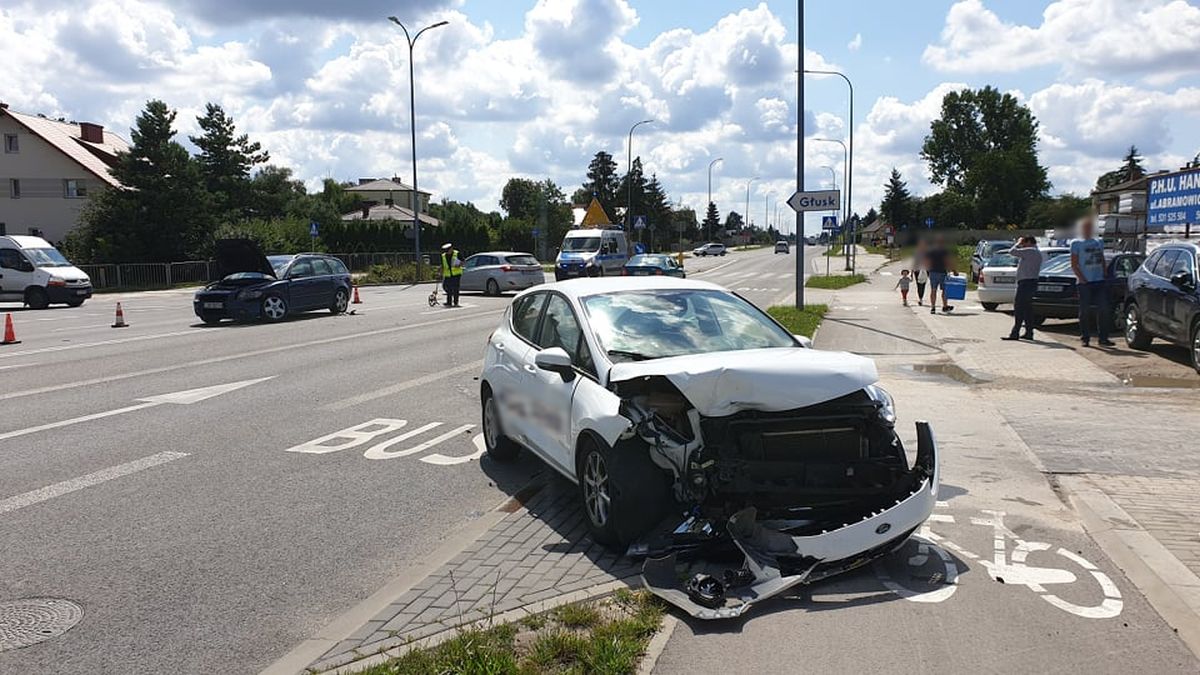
(632, 356)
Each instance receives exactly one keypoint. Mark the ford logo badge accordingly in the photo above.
(883, 528)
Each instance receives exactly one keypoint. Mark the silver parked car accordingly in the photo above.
(495, 272)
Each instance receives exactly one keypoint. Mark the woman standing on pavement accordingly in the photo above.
(919, 276)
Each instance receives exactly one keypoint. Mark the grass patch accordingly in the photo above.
(606, 636)
(799, 321)
(835, 282)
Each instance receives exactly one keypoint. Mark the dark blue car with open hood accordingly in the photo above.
(254, 286)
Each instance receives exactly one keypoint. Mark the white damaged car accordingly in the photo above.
(690, 420)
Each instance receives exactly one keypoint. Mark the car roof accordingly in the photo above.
(584, 287)
(502, 253)
(1194, 248)
(593, 232)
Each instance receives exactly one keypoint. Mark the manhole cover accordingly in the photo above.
(33, 620)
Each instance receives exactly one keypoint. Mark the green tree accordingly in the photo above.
(1131, 169)
(1056, 212)
(601, 181)
(984, 145)
(161, 212)
(542, 205)
(515, 235)
(712, 221)
(225, 160)
(658, 211)
(734, 222)
(872, 216)
(633, 186)
(897, 207)
(274, 193)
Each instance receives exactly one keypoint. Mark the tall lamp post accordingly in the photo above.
(833, 186)
(710, 201)
(767, 211)
(845, 163)
(628, 178)
(849, 180)
(746, 218)
(415, 201)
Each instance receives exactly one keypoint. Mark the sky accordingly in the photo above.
(534, 88)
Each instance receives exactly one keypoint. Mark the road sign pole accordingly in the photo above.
(799, 151)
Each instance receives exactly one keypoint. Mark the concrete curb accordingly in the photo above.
(1170, 587)
(657, 645)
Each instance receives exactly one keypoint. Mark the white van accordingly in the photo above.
(34, 273)
(591, 253)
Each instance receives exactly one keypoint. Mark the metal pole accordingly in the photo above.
(767, 213)
(629, 178)
(799, 150)
(850, 162)
(710, 201)
(415, 200)
(746, 218)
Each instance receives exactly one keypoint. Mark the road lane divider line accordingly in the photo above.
(187, 397)
(714, 269)
(345, 403)
(101, 343)
(244, 355)
(102, 476)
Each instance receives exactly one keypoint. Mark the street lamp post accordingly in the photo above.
(710, 201)
(629, 178)
(415, 201)
(849, 181)
(767, 212)
(845, 163)
(746, 218)
(833, 186)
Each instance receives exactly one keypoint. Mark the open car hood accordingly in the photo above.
(771, 380)
(240, 255)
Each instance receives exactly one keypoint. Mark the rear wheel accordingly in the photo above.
(1196, 346)
(36, 298)
(274, 308)
(990, 306)
(492, 288)
(74, 303)
(341, 300)
(499, 447)
(624, 493)
(1135, 333)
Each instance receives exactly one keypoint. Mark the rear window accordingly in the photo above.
(521, 260)
(321, 267)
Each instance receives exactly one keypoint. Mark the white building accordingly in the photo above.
(48, 171)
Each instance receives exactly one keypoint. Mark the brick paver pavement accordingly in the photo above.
(1167, 508)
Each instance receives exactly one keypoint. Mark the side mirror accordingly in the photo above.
(1182, 279)
(804, 341)
(555, 360)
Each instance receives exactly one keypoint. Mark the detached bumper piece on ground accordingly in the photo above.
(818, 542)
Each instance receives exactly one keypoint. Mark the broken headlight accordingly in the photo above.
(887, 404)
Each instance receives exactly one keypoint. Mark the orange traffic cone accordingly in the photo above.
(120, 321)
(10, 336)
(356, 300)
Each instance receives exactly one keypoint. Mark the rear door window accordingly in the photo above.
(321, 268)
(526, 312)
(337, 266)
(1165, 263)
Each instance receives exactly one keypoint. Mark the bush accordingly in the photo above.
(405, 273)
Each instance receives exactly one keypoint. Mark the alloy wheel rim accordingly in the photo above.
(343, 301)
(1131, 325)
(1196, 348)
(595, 489)
(274, 308)
(489, 423)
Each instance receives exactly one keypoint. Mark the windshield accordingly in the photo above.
(657, 324)
(47, 257)
(241, 276)
(278, 263)
(581, 244)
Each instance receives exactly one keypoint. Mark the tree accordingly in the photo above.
(601, 181)
(658, 208)
(275, 194)
(161, 212)
(712, 220)
(984, 145)
(896, 208)
(542, 205)
(632, 186)
(1046, 214)
(734, 222)
(1131, 169)
(225, 161)
(872, 216)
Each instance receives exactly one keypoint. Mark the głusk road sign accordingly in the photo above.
(819, 200)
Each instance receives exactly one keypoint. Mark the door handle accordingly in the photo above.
(530, 369)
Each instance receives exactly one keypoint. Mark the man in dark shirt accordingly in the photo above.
(937, 261)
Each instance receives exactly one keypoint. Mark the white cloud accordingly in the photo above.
(855, 44)
(1092, 37)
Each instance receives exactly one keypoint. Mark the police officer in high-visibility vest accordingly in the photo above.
(451, 274)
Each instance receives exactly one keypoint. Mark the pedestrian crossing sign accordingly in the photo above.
(828, 222)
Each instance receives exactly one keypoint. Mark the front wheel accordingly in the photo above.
(499, 447)
(624, 493)
(36, 298)
(1135, 333)
(341, 301)
(1196, 346)
(74, 303)
(990, 306)
(274, 308)
(492, 288)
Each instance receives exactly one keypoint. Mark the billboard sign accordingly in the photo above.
(1174, 199)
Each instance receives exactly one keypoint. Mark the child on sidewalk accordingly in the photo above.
(903, 285)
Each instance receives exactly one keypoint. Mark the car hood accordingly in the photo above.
(240, 255)
(770, 380)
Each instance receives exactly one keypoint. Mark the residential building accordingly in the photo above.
(388, 199)
(49, 169)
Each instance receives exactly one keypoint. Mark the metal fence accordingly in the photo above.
(151, 276)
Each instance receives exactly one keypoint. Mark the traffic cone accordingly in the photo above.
(356, 301)
(120, 321)
(10, 336)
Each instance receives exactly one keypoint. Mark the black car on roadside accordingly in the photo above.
(253, 286)
(1164, 299)
(1058, 298)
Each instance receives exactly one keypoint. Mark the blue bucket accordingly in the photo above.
(956, 287)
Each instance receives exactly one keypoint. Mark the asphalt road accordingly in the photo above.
(191, 536)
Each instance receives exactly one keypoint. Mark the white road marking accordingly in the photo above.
(380, 451)
(18, 365)
(178, 398)
(442, 460)
(101, 343)
(233, 357)
(474, 366)
(714, 269)
(68, 486)
(445, 309)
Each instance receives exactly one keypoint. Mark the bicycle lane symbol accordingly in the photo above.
(1011, 571)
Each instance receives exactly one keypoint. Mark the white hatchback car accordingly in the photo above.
(667, 398)
(998, 277)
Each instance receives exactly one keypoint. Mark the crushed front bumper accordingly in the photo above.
(776, 561)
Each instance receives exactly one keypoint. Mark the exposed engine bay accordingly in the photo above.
(798, 495)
